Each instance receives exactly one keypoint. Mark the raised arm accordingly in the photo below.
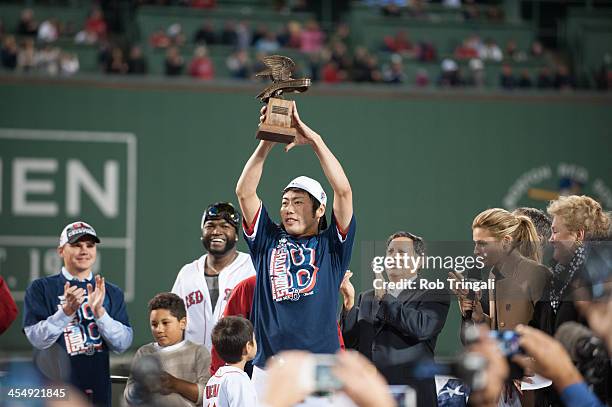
(246, 189)
(343, 195)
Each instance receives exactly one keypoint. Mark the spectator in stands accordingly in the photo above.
(228, 34)
(290, 35)
(470, 10)
(27, 26)
(452, 3)
(563, 79)
(330, 73)
(175, 34)
(159, 39)
(545, 79)
(495, 14)
(174, 62)
(203, 4)
(469, 48)
(512, 52)
(48, 59)
(267, 44)
(490, 51)
(426, 52)
(27, 56)
(421, 78)
(239, 64)
(68, 64)
(603, 77)
(95, 26)
(243, 35)
(8, 308)
(260, 32)
(313, 67)
(389, 8)
(477, 74)
(342, 33)
(524, 81)
(48, 31)
(400, 43)
(537, 49)
(201, 67)
(506, 78)
(312, 37)
(117, 64)
(339, 54)
(136, 62)
(205, 34)
(450, 75)
(360, 72)
(9, 53)
(394, 71)
(184, 364)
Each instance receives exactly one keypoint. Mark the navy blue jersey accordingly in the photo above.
(298, 283)
(88, 352)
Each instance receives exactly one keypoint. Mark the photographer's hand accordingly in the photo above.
(497, 370)
(551, 359)
(361, 381)
(284, 385)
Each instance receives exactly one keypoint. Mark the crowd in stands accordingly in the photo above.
(327, 57)
(468, 10)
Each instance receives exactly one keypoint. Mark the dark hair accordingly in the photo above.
(417, 241)
(540, 220)
(170, 302)
(315, 206)
(230, 336)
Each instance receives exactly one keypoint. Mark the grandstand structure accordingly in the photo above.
(583, 37)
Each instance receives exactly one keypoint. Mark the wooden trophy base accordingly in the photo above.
(277, 124)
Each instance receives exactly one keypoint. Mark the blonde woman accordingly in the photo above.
(576, 219)
(509, 245)
(511, 250)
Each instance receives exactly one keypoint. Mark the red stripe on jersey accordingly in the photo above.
(342, 232)
(250, 229)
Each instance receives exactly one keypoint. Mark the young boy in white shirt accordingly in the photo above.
(235, 343)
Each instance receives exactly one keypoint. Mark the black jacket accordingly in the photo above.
(396, 332)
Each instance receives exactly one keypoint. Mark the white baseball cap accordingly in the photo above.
(76, 230)
(311, 186)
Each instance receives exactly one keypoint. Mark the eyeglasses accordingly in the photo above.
(223, 210)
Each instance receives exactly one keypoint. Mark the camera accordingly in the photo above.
(325, 381)
(588, 352)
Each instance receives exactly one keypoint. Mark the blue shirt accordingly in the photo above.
(298, 283)
(579, 395)
(82, 336)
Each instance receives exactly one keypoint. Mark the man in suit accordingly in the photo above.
(396, 327)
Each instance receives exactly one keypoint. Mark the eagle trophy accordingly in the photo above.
(279, 69)
(277, 123)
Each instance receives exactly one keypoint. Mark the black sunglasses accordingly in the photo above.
(223, 210)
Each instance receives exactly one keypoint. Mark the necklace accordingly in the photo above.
(217, 272)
